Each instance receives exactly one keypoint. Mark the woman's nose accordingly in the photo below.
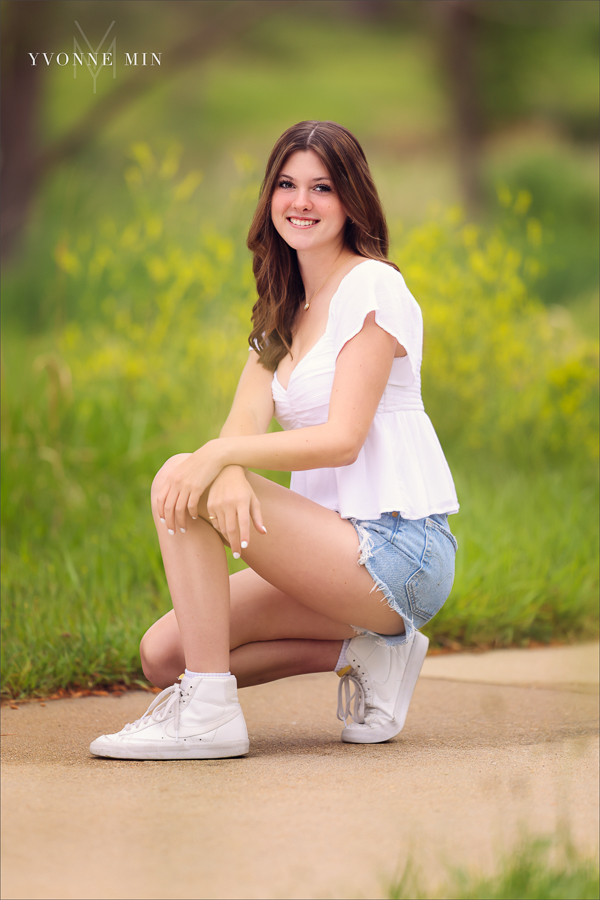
(302, 200)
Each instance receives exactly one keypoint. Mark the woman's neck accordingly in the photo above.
(315, 266)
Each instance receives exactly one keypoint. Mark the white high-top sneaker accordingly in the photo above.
(384, 679)
(203, 722)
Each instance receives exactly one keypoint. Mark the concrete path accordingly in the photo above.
(494, 744)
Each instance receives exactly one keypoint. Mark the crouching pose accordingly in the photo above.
(347, 565)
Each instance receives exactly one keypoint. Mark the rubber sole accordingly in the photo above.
(365, 734)
(173, 751)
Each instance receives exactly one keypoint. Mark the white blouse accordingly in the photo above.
(401, 465)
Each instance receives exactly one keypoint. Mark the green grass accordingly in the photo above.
(537, 871)
(526, 564)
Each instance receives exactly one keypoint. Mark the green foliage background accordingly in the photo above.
(125, 331)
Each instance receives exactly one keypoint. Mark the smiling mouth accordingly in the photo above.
(302, 223)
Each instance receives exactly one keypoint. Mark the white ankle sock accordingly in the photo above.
(189, 674)
(187, 677)
(342, 661)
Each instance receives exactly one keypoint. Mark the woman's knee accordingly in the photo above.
(150, 659)
(165, 470)
(159, 657)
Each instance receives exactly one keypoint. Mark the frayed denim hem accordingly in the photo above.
(365, 549)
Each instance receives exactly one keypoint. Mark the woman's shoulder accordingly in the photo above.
(378, 282)
(377, 273)
(374, 286)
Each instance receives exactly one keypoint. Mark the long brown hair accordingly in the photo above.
(275, 263)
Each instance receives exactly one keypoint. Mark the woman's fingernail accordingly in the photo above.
(163, 521)
(171, 531)
(194, 518)
(244, 544)
(264, 530)
(236, 555)
(182, 530)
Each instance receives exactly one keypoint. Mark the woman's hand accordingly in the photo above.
(232, 504)
(185, 484)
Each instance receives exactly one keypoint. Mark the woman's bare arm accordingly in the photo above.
(252, 407)
(362, 370)
(231, 500)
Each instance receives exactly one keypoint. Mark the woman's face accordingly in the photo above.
(305, 208)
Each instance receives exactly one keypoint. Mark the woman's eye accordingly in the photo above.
(322, 188)
(285, 184)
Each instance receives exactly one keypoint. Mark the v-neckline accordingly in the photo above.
(318, 341)
(300, 361)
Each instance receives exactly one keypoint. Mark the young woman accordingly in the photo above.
(348, 564)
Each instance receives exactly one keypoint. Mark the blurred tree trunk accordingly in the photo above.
(24, 164)
(25, 27)
(457, 27)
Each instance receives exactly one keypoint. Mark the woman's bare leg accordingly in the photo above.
(266, 661)
(256, 663)
(309, 555)
(272, 636)
(199, 584)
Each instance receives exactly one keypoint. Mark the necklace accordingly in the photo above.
(308, 302)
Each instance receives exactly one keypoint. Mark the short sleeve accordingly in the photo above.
(374, 286)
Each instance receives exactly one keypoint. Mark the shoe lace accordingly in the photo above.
(351, 702)
(163, 705)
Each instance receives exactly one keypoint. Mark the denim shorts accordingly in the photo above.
(411, 562)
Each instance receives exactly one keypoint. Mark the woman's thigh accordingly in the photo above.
(310, 554)
(262, 612)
